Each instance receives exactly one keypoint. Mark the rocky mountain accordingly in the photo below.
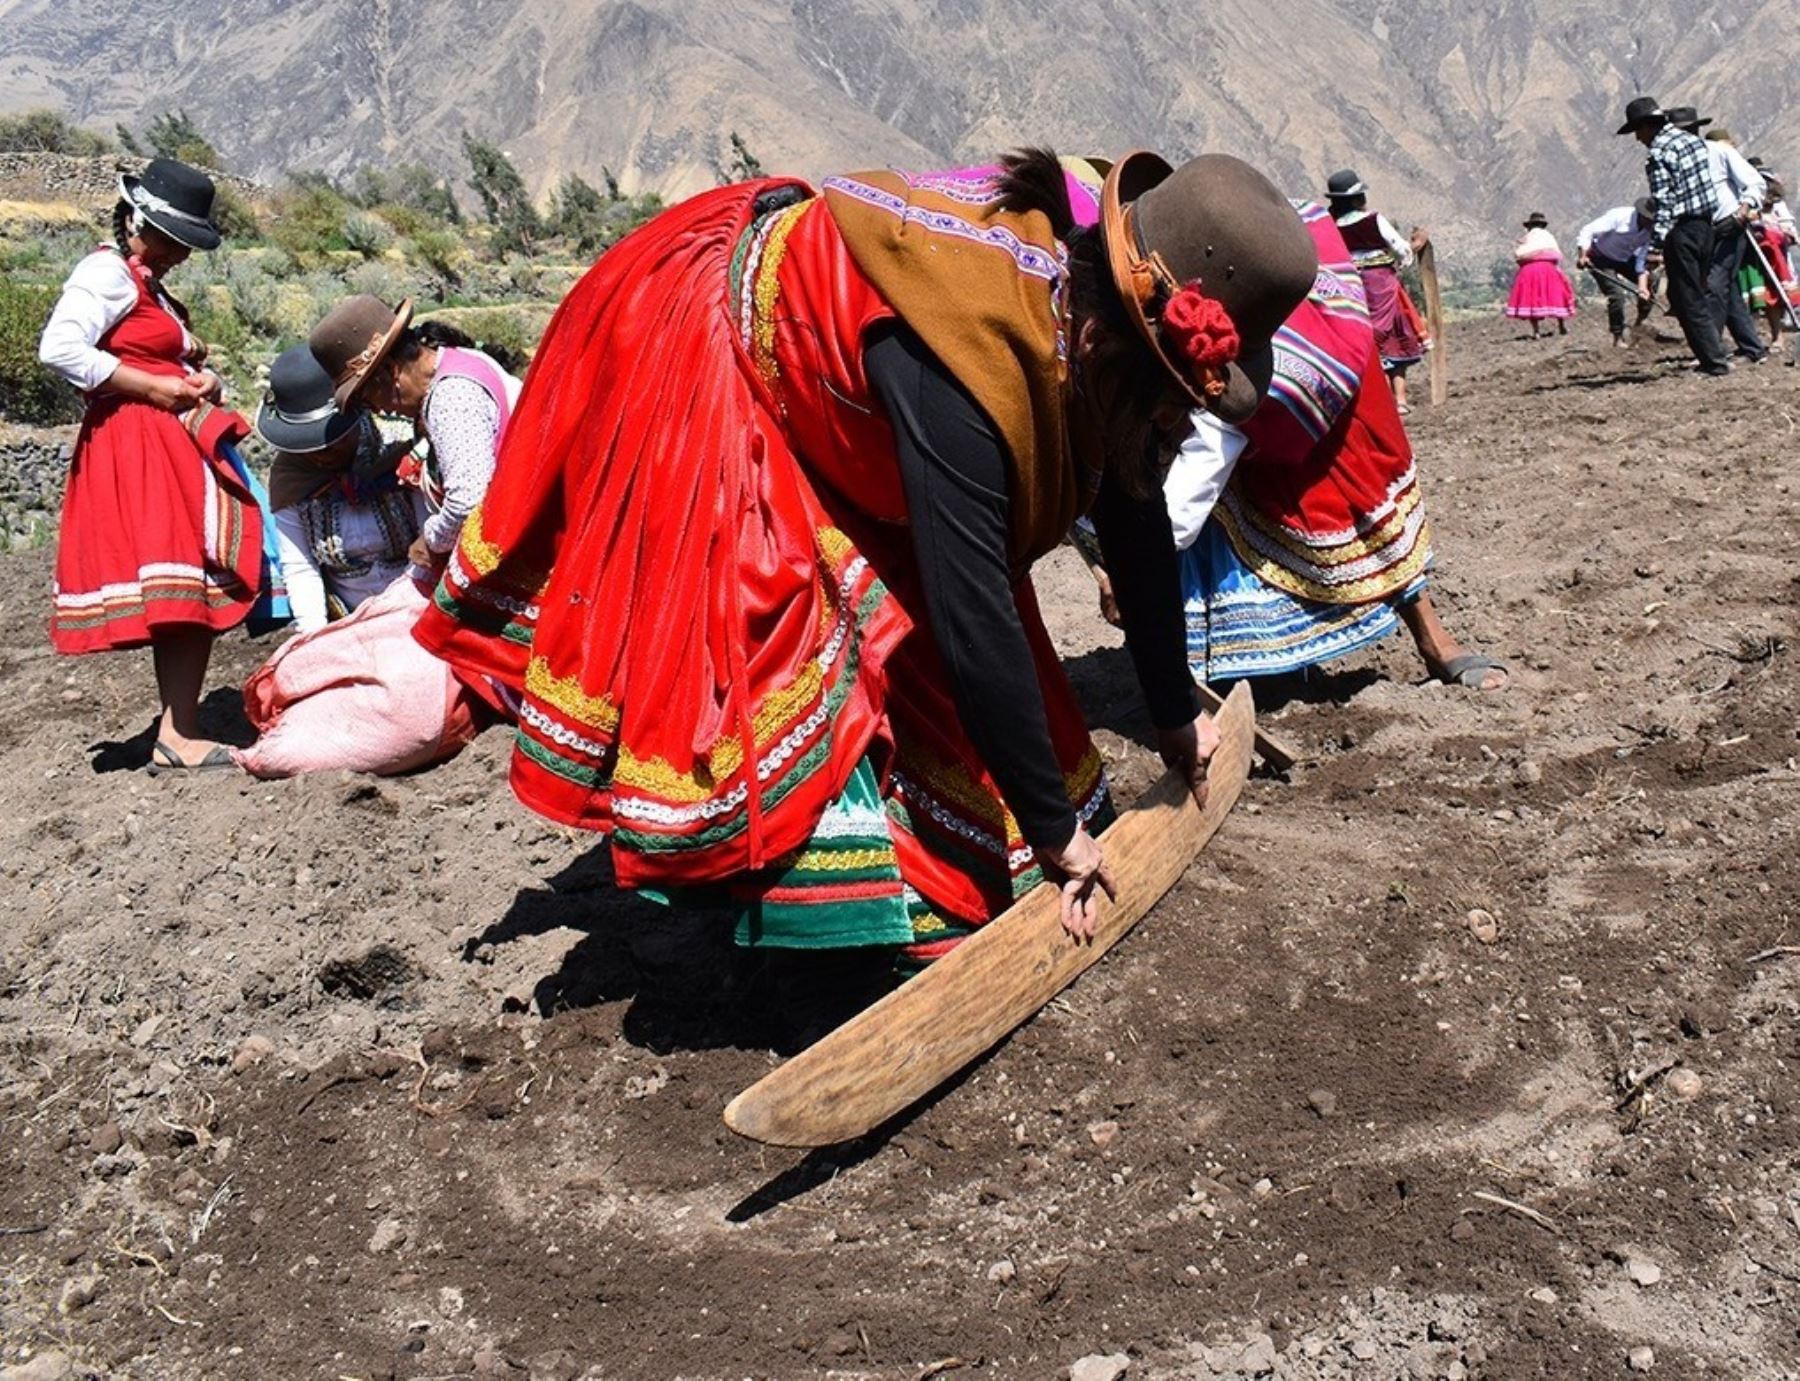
(1463, 116)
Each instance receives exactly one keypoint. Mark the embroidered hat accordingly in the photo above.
(354, 337)
(1344, 183)
(1210, 259)
(175, 199)
(1536, 220)
(298, 414)
(1641, 110)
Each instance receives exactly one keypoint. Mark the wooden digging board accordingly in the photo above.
(889, 1056)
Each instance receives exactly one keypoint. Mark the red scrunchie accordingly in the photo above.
(1200, 329)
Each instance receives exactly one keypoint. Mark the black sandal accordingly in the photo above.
(165, 759)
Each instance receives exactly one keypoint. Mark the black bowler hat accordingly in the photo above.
(1344, 183)
(1641, 111)
(176, 199)
(1536, 220)
(298, 414)
(1687, 118)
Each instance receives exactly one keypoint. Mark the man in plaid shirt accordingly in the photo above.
(1681, 180)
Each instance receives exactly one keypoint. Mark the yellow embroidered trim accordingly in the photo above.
(837, 548)
(1364, 544)
(768, 289)
(566, 694)
(951, 782)
(825, 861)
(655, 777)
(1388, 581)
(481, 556)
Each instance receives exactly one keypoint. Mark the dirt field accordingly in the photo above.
(344, 1078)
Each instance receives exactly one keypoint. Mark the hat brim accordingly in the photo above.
(302, 438)
(1135, 278)
(1360, 190)
(202, 236)
(347, 391)
(1246, 385)
(1630, 126)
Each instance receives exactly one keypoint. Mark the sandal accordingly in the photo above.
(165, 759)
(1470, 670)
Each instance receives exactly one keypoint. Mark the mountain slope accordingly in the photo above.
(1461, 116)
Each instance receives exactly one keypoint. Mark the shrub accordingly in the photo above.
(308, 220)
(46, 131)
(28, 391)
(234, 216)
(367, 233)
(444, 254)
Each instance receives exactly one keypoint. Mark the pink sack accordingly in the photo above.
(358, 694)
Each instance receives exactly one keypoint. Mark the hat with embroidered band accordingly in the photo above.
(1344, 183)
(1641, 110)
(176, 200)
(298, 414)
(354, 337)
(1210, 259)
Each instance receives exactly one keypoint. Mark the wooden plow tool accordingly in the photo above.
(1439, 363)
(889, 1056)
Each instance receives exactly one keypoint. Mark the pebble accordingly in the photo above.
(78, 1294)
(1363, 1350)
(1110, 1366)
(147, 1029)
(1641, 1358)
(1263, 1188)
(1462, 1230)
(1644, 1273)
(1003, 1272)
(389, 1233)
(252, 1050)
(1528, 773)
(105, 1139)
(46, 1366)
(1322, 1101)
(1483, 926)
(1684, 1084)
(1259, 1356)
(1103, 1134)
(1544, 1295)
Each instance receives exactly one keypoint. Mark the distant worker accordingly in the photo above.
(1738, 192)
(1541, 291)
(1615, 250)
(1681, 180)
(1380, 252)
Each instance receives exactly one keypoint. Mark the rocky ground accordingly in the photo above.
(1467, 1050)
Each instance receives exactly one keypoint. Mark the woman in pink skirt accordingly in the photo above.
(1541, 291)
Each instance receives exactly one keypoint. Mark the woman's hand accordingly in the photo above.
(206, 384)
(169, 393)
(1079, 866)
(421, 555)
(1109, 602)
(1188, 750)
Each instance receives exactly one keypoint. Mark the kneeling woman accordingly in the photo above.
(161, 539)
(345, 518)
(756, 553)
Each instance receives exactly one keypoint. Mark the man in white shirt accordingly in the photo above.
(1615, 249)
(1739, 189)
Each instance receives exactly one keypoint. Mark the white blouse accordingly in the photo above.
(335, 551)
(97, 296)
(463, 422)
(1199, 474)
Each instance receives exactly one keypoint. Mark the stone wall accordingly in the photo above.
(34, 462)
(90, 182)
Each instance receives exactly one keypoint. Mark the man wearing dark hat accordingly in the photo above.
(1738, 189)
(1615, 249)
(1681, 181)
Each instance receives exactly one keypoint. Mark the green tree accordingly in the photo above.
(501, 191)
(413, 186)
(128, 141)
(578, 213)
(29, 392)
(177, 136)
(742, 165)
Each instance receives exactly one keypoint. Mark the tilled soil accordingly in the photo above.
(347, 1078)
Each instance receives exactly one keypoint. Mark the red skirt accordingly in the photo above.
(153, 534)
(708, 641)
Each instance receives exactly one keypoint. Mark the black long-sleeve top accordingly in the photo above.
(953, 466)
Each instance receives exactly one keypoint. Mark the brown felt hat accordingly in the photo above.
(354, 337)
(1217, 220)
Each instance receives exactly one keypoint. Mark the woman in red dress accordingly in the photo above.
(756, 552)
(160, 542)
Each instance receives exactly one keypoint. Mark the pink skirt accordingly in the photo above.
(1541, 290)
